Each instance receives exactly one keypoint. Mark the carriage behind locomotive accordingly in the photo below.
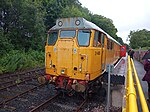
(76, 54)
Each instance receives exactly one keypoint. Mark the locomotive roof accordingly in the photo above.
(78, 22)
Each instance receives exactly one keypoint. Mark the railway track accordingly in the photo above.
(39, 107)
(11, 90)
(26, 100)
(29, 96)
(11, 80)
(25, 73)
(59, 103)
(53, 102)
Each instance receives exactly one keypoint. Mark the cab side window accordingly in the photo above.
(108, 44)
(102, 39)
(97, 39)
(112, 45)
(95, 42)
(52, 37)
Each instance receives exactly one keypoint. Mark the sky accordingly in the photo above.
(127, 15)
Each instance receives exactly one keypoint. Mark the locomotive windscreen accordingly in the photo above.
(52, 38)
(67, 33)
(84, 37)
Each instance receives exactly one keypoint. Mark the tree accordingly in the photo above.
(139, 38)
(5, 44)
(23, 21)
(106, 24)
(120, 40)
(62, 9)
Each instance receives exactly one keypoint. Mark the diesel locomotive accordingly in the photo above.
(76, 54)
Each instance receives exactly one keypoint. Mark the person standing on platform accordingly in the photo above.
(147, 69)
(131, 53)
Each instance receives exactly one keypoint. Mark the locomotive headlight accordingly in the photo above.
(62, 71)
(80, 67)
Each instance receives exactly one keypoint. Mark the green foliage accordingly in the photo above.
(139, 38)
(5, 44)
(23, 24)
(119, 39)
(61, 9)
(18, 60)
(106, 24)
(23, 21)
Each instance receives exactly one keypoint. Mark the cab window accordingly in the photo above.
(52, 37)
(108, 44)
(95, 42)
(102, 39)
(67, 33)
(111, 45)
(84, 37)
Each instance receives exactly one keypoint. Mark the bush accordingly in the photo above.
(20, 60)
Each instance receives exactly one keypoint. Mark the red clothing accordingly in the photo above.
(147, 69)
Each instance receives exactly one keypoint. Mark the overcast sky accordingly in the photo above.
(127, 15)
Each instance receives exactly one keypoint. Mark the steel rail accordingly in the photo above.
(9, 99)
(43, 104)
(17, 83)
(23, 73)
(81, 105)
(14, 81)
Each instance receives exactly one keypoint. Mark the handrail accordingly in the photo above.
(131, 104)
(140, 91)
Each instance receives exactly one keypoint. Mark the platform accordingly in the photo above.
(118, 91)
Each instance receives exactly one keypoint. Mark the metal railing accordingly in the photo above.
(131, 101)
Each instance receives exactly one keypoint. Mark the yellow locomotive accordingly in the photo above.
(76, 53)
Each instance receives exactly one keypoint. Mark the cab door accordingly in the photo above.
(103, 50)
(97, 52)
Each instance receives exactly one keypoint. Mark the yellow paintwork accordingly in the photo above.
(63, 56)
(131, 103)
